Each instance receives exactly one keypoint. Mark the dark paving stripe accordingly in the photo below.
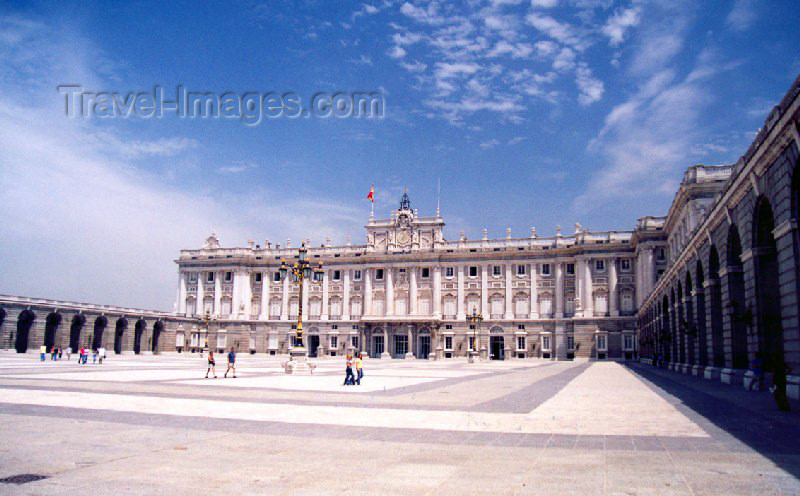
(531, 396)
(381, 434)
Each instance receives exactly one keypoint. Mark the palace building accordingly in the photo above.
(703, 289)
(409, 293)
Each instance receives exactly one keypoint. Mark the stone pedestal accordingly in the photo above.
(298, 363)
(484, 354)
(731, 376)
(711, 373)
(793, 386)
(473, 356)
(697, 370)
(410, 356)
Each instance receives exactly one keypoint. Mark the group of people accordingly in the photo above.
(351, 379)
(98, 354)
(212, 364)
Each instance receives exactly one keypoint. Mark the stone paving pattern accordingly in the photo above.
(153, 424)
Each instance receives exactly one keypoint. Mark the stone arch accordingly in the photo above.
(158, 328)
(75, 329)
(496, 330)
(119, 334)
(100, 324)
(138, 330)
(702, 338)
(24, 324)
(736, 299)
(796, 217)
(717, 344)
(768, 297)
(51, 324)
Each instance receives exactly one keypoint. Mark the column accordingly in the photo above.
(588, 306)
(217, 293)
(389, 290)
(385, 353)
(182, 293)
(198, 307)
(410, 352)
(247, 293)
(639, 283)
(412, 297)
(509, 294)
(367, 310)
(613, 305)
(579, 287)
(237, 294)
(306, 308)
(559, 296)
(265, 282)
(485, 291)
(324, 311)
(285, 298)
(437, 292)
(534, 310)
(346, 296)
(460, 304)
(649, 272)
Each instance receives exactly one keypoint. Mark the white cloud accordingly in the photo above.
(516, 140)
(559, 31)
(591, 88)
(237, 168)
(415, 67)
(489, 144)
(397, 52)
(742, 16)
(425, 16)
(407, 38)
(544, 4)
(618, 23)
(565, 60)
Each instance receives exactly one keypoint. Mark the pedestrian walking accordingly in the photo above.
(42, 352)
(359, 368)
(81, 351)
(231, 363)
(60, 351)
(211, 364)
(757, 367)
(53, 352)
(69, 352)
(101, 353)
(349, 378)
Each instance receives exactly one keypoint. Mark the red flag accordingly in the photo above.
(371, 194)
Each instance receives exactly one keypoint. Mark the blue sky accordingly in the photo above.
(530, 113)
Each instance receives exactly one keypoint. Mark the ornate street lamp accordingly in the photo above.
(476, 320)
(299, 272)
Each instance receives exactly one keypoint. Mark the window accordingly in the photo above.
(521, 327)
(357, 275)
(662, 254)
(546, 269)
(600, 265)
(571, 269)
(625, 264)
(602, 345)
(334, 342)
(448, 342)
(627, 342)
(355, 327)
(545, 343)
(627, 301)
(258, 276)
(496, 270)
(210, 277)
(426, 272)
(448, 326)
(192, 276)
(520, 270)
(276, 276)
(354, 341)
(448, 272)
(520, 343)
(570, 342)
(378, 274)
(337, 275)
(471, 343)
(335, 326)
(228, 276)
(473, 271)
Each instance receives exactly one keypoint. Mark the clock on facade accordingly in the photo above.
(403, 238)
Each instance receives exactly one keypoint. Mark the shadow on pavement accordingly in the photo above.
(731, 415)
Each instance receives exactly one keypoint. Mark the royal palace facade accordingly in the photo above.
(702, 290)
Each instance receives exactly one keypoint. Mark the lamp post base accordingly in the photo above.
(298, 363)
(473, 356)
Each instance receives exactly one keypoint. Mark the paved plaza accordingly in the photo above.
(154, 424)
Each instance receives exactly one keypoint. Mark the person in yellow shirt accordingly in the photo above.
(359, 368)
(42, 352)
